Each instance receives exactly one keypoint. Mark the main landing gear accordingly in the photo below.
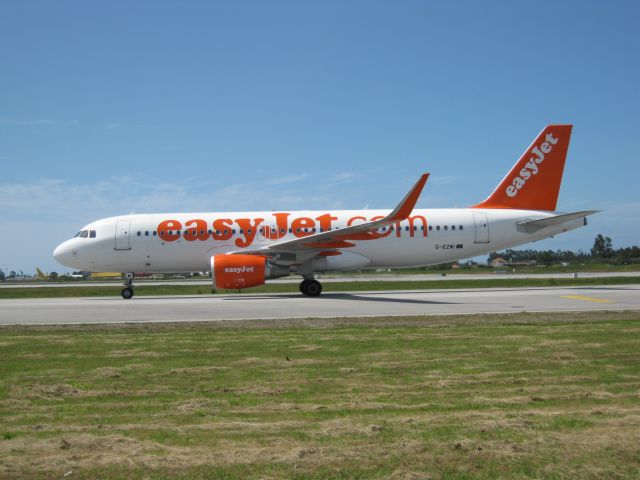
(310, 287)
(127, 291)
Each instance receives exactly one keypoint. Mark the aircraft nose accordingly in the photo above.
(63, 253)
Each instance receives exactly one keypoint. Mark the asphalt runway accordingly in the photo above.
(352, 304)
(330, 278)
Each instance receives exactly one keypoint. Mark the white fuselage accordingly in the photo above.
(139, 243)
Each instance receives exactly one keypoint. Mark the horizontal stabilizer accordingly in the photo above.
(532, 226)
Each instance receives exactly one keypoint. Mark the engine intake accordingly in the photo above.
(243, 271)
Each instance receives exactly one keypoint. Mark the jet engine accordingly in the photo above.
(243, 271)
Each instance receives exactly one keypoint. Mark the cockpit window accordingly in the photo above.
(85, 234)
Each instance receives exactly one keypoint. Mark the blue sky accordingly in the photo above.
(116, 107)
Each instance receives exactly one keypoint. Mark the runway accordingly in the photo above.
(352, 304)
(332, 278)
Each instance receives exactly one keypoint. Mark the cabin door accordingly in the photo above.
(482, 227)
(123, 242)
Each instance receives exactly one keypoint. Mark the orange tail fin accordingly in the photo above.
(534, 182)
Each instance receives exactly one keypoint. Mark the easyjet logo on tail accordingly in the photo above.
(532, 167)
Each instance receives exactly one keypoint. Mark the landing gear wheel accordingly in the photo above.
(311, 288)
(127, 293)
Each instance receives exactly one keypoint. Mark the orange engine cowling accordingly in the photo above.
(238, 271)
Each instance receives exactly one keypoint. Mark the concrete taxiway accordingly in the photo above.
(352, 304)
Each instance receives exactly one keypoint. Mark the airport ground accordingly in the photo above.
(525, 395)
(456, 300)
(342, 283)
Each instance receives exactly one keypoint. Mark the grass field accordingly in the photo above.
(150, 289)
(553, 396)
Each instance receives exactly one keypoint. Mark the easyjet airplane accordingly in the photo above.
(244, 249)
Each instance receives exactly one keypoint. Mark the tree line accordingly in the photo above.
(601, 252)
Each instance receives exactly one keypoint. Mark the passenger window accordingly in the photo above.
(438, 227)
(453, 227)
(146, 233)
(430, 227)
(139, 233)
(155, 233)
(446, 228)
(460, 227)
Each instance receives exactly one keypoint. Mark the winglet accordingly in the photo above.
(407, 204)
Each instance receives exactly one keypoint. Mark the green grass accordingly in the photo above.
(146, 289)
(549, 396)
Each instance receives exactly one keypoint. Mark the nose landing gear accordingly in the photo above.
(127, 291)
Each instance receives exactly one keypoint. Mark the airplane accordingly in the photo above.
(47, 277)
(244, 249)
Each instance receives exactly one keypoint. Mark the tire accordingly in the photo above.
(127, 293)
(303, 285)
(313, 288)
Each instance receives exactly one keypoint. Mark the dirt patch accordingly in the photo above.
(194, 405)
(197, 370)
(108, 372)
(135, 352)
(306, 348)
(260, 390)
(347, 370)
(47, 392)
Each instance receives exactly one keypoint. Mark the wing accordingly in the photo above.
(312, 245)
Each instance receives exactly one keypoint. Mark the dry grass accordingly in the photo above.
(505, 396)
